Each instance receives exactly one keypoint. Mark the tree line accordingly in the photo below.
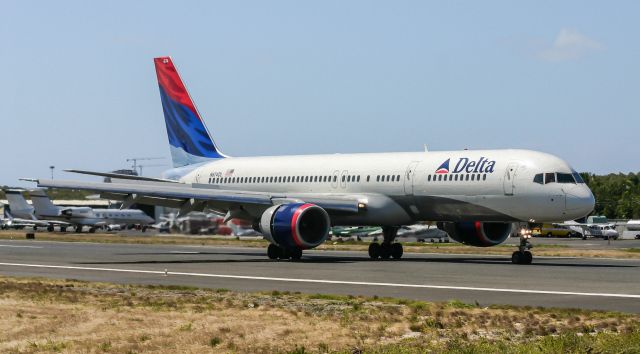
(617, 195)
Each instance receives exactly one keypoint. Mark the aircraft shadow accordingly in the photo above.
(330, 259)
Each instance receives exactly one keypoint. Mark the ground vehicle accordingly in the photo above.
(602, 231)
(555, 230)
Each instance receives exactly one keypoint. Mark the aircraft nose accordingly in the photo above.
(580, 201)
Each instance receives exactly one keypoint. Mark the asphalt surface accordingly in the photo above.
(605, 284)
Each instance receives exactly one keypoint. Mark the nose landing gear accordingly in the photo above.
(523, 255)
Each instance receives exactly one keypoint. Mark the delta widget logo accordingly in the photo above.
(464, 164)
(444, 168)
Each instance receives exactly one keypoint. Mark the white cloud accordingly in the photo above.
(569, 45)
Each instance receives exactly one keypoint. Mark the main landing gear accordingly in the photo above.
(275, 252)
(523, 255)
(387, 248)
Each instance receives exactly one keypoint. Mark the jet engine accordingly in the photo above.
(76, 211)
(477, 233)
(295, 225)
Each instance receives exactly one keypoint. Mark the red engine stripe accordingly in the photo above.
(294, 222)
(483, 238)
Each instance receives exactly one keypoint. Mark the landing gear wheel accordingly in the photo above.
(296, 254)
(273, 251)
(516, 257)
(63, 229)
(385, 251)
(522, 257)
(284, 254)
(78, 228)
(396, 250)
(50, 228)
(374, 250)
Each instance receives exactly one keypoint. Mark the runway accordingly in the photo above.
(551, 282)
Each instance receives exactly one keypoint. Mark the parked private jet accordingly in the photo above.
(86, 216)
(22, 215)
(475, 196)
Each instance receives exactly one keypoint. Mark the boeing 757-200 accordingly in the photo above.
(475, 196)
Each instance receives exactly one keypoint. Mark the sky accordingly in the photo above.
(78, 86)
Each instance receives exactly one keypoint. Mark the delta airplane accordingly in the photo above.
(475, 196)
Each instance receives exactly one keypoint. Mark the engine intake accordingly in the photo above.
(295, 225)
(477, 233)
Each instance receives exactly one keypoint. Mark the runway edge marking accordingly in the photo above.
(323, 281)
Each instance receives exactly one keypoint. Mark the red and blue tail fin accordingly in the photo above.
(189, 139)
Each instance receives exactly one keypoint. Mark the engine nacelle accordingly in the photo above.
(76, 211)
(295, 225)
(479, 234)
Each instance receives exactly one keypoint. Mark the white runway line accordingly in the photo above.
(16, 246)
(323, 281)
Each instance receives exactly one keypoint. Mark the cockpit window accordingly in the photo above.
(549, 177)
(577, 177)
(538, 178)
(565, 178)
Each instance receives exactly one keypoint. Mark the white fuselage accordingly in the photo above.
(402, 188)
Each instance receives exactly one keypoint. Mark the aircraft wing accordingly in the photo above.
(33, 222)
(187, 197)
(121, 176)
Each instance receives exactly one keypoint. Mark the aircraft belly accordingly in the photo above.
(438, 208)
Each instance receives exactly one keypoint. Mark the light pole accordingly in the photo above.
(52, 168)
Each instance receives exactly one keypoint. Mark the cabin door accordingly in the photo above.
(409, 176)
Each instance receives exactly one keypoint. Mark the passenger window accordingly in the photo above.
(565, 178)
(388, 178)
(549, 178)
(429, 178)
(466, 178)
(538, 178)
(358, 179)
(439, 177)
(378, 178)
(348, 178)
(368, 178)
(484, 177)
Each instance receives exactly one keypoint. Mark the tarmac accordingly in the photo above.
(587, 283)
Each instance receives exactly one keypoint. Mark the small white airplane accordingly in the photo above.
(475, 196)
(86, 216)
